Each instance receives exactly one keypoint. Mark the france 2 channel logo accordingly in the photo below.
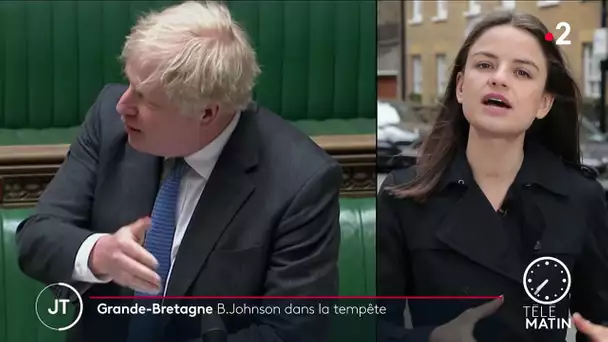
(563, 38)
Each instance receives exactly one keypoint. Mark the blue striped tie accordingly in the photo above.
(158, 241)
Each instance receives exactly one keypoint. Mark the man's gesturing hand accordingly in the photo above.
(121, 257)
(460, 329)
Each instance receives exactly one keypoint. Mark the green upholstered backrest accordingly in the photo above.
(18, 293)
(18, 321)
(358, 246)
(318, 59)
(357, 266)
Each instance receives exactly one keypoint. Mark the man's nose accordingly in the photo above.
(125, 106)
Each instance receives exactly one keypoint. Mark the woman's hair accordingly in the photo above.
(558, 131)
(200, 55)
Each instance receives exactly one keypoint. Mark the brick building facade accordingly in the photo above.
(435, 30)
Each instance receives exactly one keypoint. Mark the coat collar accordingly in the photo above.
(540, 167)
(204, 160)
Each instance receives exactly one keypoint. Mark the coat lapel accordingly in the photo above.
(547, 183)
(137, 185)
(475, 231)
(227, 189)
(562, 227)
(223, 196)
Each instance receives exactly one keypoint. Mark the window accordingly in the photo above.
(441, 74)
(417, 74)
(547, 3)
(591, 72)
(472, 21)
(474, 9)
(509, 4)
(442, 11)
(416, 12)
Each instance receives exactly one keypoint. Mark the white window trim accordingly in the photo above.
(441, 74)
(442, 15)
(590, 74)
(415, 21)
(418, 76)
(473, 10)
(416, 17)
(547, 3)
(470, 25)
(388, 73)
(508, 4)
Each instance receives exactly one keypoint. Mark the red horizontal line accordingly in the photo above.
(291, 297)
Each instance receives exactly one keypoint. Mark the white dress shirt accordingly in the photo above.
(201, 164)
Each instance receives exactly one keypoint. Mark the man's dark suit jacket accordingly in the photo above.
(267, 223)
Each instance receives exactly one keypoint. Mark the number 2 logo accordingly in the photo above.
(562, 39)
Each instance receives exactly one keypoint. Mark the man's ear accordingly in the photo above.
(545, 105)
(459, 82)
(209, 114)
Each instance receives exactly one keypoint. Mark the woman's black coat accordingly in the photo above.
(455, 244)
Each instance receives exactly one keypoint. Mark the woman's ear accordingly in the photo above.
(459, 82)
(546, 103)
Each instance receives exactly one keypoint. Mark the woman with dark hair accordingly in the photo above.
(498, 184)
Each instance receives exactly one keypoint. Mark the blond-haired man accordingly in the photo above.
(179, 185)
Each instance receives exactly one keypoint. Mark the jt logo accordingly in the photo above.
(64, 308)
(54, 313)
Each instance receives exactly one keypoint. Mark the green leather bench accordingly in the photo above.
(317, 57)
(18, 321)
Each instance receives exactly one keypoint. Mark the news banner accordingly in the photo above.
(195, 306)
(351, 316)
(240, 309)
(354, 312)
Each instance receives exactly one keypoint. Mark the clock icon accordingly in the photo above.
(547, 280)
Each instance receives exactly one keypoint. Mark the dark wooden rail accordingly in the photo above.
(26, 170)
